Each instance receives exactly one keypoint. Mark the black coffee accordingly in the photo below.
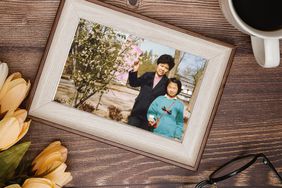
(263, 15)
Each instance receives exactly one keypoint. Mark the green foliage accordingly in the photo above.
(87, 107)
(10, 160)
(115, 113)
(64, 101)
(68, 69)
(95, 56)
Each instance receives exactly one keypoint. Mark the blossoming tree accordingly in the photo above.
(97, 58)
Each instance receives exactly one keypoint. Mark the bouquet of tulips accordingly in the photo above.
(47, 170)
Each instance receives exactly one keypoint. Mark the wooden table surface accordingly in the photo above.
(248, 119)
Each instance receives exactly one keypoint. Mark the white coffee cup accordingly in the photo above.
(265, 44)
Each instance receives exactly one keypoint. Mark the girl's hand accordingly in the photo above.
(152, 122)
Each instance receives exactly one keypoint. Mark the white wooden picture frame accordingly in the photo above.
(186, 154)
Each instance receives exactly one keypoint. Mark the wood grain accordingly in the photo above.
(248, 120)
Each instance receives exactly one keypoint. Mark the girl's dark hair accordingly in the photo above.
(176, 81)
(166, 59)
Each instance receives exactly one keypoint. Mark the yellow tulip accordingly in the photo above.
(38, 183)
(50, 158)
(59, 176)
(13, 186)
(13, 92)
(3, 73)
(13, 128)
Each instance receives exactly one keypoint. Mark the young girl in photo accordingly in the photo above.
(165, 114)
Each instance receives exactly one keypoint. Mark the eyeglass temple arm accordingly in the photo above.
(267, 162)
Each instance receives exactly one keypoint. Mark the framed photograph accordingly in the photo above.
(130, 81)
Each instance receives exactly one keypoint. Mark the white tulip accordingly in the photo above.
(3, 73)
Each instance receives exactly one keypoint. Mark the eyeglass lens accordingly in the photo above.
(231, 167)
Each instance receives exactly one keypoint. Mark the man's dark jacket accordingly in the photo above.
(147, 92)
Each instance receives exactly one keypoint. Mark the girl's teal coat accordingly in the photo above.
(170, 125)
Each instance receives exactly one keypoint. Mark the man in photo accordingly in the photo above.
(153, 84)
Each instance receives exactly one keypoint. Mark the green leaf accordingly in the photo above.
(10, 159)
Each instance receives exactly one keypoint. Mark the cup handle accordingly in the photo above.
(266, 51)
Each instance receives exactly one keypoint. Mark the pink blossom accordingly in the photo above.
(129, 58)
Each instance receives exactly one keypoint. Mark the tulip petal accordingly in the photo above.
(47, 149)
(59, 176)
(20, 114)
(15, 82)
(67, 178)
(28, 85)
(54, 146)
(13, 186)
(9, 131)
(50, 158)
(10, 113)
(38, 183)
(15, 75)
(25, 127)
(48, 164)
(13, 98)
(62, 179)
(3, 73)
(6, 84)
(3, 90)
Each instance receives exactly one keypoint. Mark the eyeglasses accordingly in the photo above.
(234, 167)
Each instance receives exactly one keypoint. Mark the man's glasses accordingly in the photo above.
(233, 167)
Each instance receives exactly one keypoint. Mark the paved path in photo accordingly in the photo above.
(119, 96)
